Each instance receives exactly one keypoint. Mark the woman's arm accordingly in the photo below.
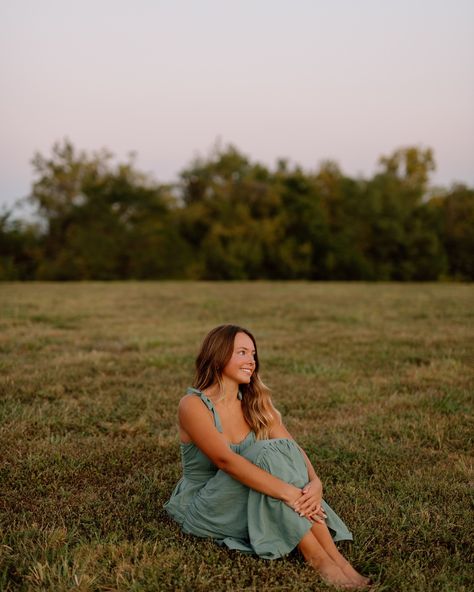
(196, 422)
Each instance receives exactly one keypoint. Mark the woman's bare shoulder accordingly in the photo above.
(191, 407)
(190, 401)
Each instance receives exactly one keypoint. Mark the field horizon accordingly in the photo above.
(374, 380)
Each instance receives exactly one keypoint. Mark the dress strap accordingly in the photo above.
(209, 404)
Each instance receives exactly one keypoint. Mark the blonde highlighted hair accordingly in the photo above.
(216, 350)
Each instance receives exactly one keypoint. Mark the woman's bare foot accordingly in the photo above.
(357, 578)
(332, 574)
(359, 582)
(362, 582)
(330, 569)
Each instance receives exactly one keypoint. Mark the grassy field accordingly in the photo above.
(375, 381)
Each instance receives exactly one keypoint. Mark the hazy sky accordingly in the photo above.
(309, 80)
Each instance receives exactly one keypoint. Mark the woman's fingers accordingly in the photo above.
(320, 510)
(318, 516)
(304, 499)
(317, 519)
(311, 508)
(311, 511)
(307, 506)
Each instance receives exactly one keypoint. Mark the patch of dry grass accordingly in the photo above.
(374, 380)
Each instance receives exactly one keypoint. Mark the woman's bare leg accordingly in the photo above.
(324, 538)
(317, 557)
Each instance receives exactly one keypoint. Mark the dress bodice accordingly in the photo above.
(196, 465)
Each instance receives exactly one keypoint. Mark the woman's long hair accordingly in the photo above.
(216, 350)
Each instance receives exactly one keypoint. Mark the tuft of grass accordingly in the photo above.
(375, 381)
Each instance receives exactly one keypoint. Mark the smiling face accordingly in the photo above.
(241, 364)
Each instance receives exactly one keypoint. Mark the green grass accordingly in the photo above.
(375, 381)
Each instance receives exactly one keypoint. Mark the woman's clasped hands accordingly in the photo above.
(308, 503)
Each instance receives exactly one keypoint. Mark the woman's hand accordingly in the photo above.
(292, 495)
(309, 503)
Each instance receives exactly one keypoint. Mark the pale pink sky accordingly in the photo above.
(303, 79)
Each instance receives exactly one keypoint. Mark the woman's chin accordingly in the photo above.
(246, 380)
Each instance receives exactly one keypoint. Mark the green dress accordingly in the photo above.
(207, 502)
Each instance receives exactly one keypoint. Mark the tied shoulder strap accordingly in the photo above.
(208, 403)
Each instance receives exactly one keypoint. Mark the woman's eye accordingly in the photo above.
(242, 352)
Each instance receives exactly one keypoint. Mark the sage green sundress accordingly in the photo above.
(207, 502)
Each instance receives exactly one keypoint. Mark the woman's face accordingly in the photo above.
(241, 365)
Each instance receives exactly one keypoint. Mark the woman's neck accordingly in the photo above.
(226, 392)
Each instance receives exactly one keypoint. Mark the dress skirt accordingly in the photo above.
(244, 519)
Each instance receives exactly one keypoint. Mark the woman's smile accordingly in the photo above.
(242, 361)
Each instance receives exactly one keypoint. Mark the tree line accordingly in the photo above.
(228, 218)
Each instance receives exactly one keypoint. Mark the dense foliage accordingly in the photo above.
(230, 218)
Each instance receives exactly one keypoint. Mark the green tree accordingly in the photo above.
(244, 221)
(103, 221)
(230, 218)
(404, 244)
(411, 165)
(224, 199)
(303, 226)
(457, 231)
(348, 216)
(19, 248)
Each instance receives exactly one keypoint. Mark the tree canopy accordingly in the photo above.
(230, 218)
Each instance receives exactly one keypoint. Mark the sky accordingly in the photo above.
(306, 80)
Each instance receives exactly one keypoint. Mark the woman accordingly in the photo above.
(246, 483)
